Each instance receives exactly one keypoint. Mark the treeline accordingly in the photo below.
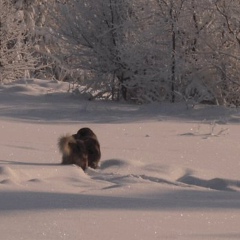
(135, 50)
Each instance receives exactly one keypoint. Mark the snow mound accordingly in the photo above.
(8, 175)
(34, 87)
(113, 173)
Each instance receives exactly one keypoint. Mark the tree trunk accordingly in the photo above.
(173, 58)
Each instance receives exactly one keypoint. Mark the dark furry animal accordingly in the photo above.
(73, 151)
(82, 149)
(92, 145)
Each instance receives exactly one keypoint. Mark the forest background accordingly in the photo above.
(133, 50)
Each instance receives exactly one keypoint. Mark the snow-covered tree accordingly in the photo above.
(102, 38)
(226, 46)
(205, 44)
(37, 17)
(170, 19)
(15, 53)
(195, 22)
(213, 59)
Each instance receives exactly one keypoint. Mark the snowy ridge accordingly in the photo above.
(112, 174)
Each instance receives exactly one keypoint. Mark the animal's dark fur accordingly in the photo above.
(82, 149)
(92, 145)
(73, 151)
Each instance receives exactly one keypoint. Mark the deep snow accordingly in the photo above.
(167, 172)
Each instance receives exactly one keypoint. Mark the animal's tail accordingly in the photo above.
(63, 144)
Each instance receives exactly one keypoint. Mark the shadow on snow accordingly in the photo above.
(14, 201)
(66, 108)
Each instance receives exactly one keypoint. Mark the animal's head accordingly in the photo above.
(85, 133)
(79, 154)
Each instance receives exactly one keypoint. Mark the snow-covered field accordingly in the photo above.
(166, 172)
